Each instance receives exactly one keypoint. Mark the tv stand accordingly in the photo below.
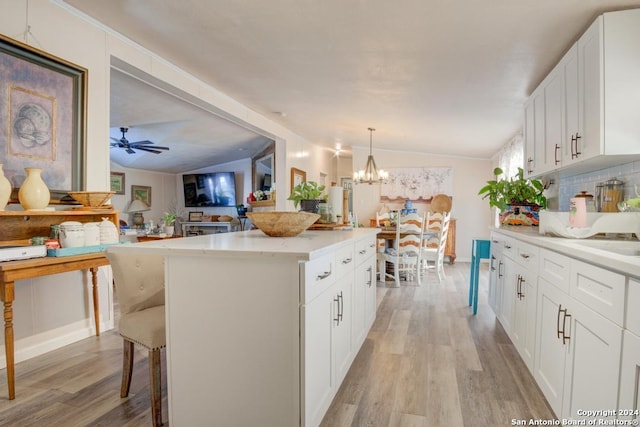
(195, 226)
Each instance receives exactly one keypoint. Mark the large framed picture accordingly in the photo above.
(42, 118)
(297, 176)
(141, 192)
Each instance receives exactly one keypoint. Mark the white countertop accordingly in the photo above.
(577, 248)
(306, 246)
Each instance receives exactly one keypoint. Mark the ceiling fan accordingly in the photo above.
(138, 145)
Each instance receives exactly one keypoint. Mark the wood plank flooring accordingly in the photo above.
(426, 362)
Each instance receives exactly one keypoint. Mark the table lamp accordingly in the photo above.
(136, 207)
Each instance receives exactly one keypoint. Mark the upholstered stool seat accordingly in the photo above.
(480, 249)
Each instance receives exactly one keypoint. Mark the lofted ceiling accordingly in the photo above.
(434, 76)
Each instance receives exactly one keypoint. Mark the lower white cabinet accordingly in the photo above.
(577, 354)
(496, 267)
(336, 323)
(523, 325)
(508, 296)
(629, 403)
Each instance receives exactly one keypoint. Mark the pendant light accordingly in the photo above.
(371, 174)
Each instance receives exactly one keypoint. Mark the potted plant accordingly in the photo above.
(242, 209)
(518, 199)
(169, 221)
(308, 195)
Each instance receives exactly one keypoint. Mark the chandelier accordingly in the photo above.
(370, 174)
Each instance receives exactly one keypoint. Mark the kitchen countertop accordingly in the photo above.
(306, 246)
(578, 249)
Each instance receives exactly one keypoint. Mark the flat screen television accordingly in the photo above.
(209, 189)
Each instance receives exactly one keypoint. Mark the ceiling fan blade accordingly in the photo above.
(146, 146)
(148, 150)
(130, 151)
(116, 140)
(145, 142)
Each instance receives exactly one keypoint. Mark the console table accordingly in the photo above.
(190, 225)
(10, 271)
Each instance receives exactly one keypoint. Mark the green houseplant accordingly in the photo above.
(518, 199)
(308, 195)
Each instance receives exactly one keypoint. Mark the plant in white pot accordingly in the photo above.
(169, 223)
(308, 195)
(518, 199)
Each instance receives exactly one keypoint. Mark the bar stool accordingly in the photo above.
(480, 248)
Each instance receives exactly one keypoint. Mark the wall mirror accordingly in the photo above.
(264, 168)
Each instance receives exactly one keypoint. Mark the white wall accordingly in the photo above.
(473, 216)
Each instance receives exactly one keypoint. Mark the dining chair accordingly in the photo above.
(435, 254)
(139, 283)
(404, 255)
(381, 218)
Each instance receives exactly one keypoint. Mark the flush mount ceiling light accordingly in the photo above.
(371, 174)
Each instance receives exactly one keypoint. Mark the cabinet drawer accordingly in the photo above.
(318, 275)
(633, 314)
(555, 268)
(508, 247)
(601, 290)
(345, 261)
(526, 255)
(365, 248)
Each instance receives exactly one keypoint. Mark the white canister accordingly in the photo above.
(91, 234)
(71, 234)
(108, 232)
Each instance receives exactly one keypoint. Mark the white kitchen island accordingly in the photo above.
(262, 330)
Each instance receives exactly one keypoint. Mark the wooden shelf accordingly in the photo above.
(262, 203)
(20, 226)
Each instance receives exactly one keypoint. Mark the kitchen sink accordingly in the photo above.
(624, 247)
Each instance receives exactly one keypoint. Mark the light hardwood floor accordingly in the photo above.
(426, 362)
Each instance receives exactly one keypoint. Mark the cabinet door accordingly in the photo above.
(508, 296)
(529, 138)
(553, 110)
(594, 358)
(572, 124)
(342, 318)
(364, 300)
(524, 317)
(318, 379)
(540, 149)
(629, 376)
(550, 352)
(590, 78)
(370, 300)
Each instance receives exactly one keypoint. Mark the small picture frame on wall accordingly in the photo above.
(297, 176)
(206, 218)
(117, 182)
(195, 216)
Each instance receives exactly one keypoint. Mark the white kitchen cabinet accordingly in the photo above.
(630, 366)
(594, 88)
(529, 136)
(523, 326)
(496, 272)
(364, 291)
(535, 133)
(575, 348)
(342, 317)
(508, 296)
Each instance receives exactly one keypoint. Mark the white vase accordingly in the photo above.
(169, 229)
(33, 193)
(5, 189)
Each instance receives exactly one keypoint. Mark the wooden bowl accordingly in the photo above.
(441, 203)
(225, 218)
(282, 223)
(91, 199)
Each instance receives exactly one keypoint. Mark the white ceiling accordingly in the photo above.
(436, 76)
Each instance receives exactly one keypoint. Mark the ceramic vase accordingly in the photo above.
(169, 230)
(33, 193)
(5, 189)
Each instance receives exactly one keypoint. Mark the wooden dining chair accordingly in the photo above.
(404, 256)
(139, 282)
(432, 257)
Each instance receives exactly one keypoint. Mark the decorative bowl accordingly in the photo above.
(91, 199)
(282, 223)
(225, 218)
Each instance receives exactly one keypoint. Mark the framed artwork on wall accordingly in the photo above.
(297, 176)
(141, 192)
(43, 111)
(195, 216)
(117, 182)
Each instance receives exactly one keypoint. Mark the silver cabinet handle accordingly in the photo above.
(324, 275)
(362, 252)
(347, 260)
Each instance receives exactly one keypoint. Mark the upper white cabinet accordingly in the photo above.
(584, 113)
